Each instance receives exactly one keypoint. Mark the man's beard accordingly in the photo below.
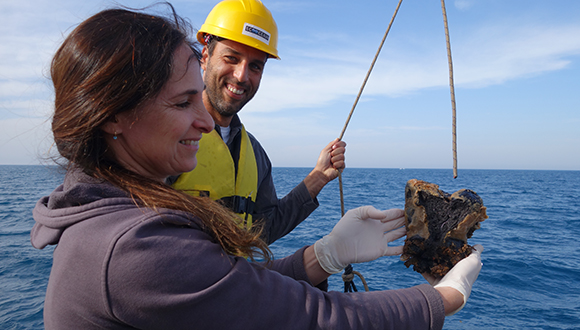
(214, 92)
(224, 108)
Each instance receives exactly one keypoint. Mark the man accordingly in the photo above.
(238, 37)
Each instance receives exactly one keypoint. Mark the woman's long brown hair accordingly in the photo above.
(112, 63)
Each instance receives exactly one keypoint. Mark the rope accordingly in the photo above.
(452, 90)
(358, 97)
(349, 273)
(370, 69)
(348, 283)
(348, 277)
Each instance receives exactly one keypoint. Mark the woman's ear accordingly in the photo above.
(112, 127)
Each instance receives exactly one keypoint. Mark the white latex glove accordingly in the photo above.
(462, 276)
(362, 235)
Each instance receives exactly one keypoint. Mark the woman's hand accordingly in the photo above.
(455, 287)
(362, 235)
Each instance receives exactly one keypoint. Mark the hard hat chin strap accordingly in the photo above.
(208, 38)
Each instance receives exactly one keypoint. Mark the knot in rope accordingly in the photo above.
(348, 277)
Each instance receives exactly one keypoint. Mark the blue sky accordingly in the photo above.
(516, 71)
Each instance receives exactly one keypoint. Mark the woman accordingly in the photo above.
(133, 253)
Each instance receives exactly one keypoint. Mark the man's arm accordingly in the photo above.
(281, 216)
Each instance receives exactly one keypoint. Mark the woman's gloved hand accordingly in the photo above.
(361, 235)
(461, 277)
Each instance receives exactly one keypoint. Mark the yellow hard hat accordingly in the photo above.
(248, 22)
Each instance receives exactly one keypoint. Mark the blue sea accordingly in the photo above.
(531, 264)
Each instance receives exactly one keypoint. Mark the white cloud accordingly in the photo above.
(491, 56)
(19, 88)
(498, 54)
(32, 108)
(463, 4)
(24, 140)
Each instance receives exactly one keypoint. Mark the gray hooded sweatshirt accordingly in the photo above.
(119, 266)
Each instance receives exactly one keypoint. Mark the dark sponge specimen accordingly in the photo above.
(438, 226)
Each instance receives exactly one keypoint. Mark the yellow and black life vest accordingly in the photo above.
(215, 175)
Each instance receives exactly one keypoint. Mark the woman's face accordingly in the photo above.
(161, 137)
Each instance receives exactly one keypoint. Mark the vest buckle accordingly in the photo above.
(239, 204)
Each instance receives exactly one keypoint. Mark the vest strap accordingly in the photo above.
(239, 204)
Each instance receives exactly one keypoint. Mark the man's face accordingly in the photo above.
(232, 76)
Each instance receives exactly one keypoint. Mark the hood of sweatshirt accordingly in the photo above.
(79, 198)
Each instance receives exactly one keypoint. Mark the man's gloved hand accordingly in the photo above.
(461, 277)
(361, 235)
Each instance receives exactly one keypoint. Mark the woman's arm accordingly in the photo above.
(315, 273)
